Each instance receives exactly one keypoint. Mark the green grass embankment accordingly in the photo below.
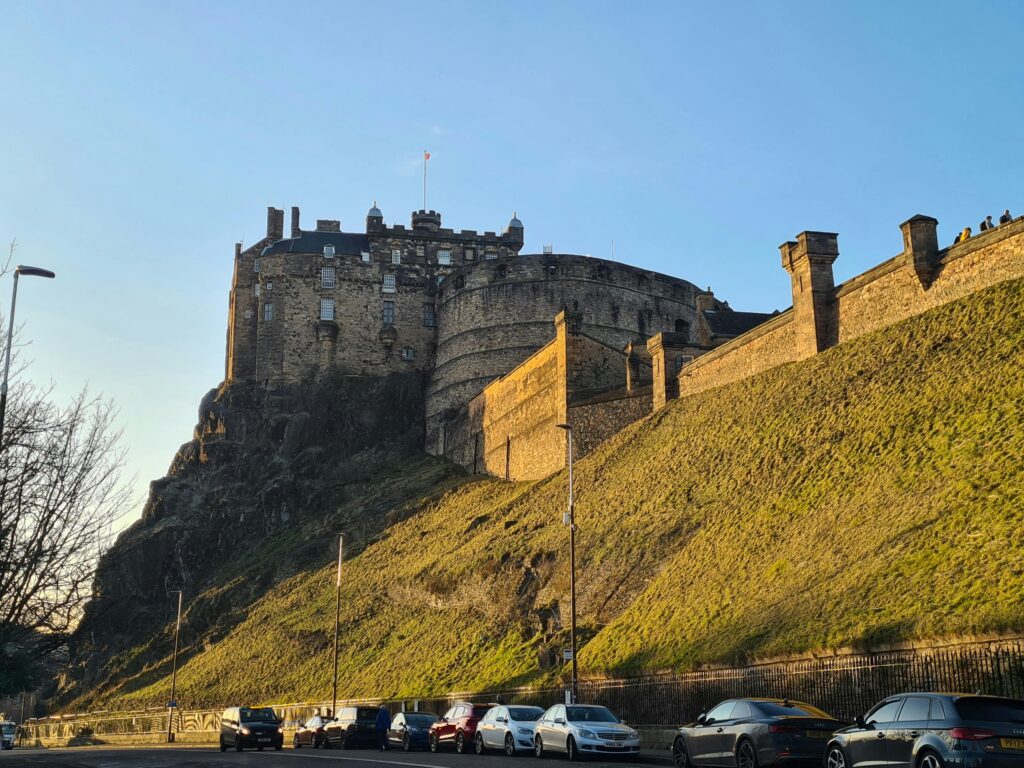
(870, 494)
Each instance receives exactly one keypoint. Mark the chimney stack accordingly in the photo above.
(296, 231)
(275, 223)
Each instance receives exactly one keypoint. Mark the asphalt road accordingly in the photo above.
(211, 757)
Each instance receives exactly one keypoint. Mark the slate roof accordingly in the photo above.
(345, 243)
(733, 323)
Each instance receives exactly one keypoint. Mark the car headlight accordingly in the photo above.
(587, 734)
(633, 734)
(245, 731)
(280, 729)
(524, 731)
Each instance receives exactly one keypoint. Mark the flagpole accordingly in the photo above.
(426, 157)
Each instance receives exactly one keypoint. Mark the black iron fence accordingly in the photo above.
(842, 685)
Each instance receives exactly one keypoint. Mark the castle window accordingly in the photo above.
(268, 312)
(327, 277)
(364, 255)
(421, 252)
(460, 282)
(490, 255)
(682, 360)
(326, 309)
(256, 265)
(444, 257)
(388, 315)
(682, 326)
(503, 270)
(248, 314)
(270, 286)
(469, 254)
(408, 353)
(328, 251)
(396, 256)
(429, 318)
(256, 290)
(389, 284)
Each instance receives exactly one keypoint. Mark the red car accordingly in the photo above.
(310, 733)
(457, 726)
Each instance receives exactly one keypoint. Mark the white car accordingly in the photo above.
(583, 729)
(8, 731)
(508, 728)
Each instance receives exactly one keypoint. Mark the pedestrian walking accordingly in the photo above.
(383, 725)
(1006, 218)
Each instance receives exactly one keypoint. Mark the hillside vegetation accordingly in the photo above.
(870, 494)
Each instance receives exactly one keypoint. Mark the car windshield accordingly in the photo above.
(590, 715)
(991, 710)
(479, 711)
(525, 714)
(423, 718)
(367, 713)
(771, 709)
(8, 729)
(261, 715)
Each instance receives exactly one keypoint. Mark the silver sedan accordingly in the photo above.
(582, 729)
(508, 728)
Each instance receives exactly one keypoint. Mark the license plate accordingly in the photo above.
(266, 739)
(613, 745)
(817, 734)
(1011, 743)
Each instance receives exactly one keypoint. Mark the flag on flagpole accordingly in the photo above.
(426, 155)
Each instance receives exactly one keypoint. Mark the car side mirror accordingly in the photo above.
(560, 720)
(859, 721)
(702, 719)
(501, 719)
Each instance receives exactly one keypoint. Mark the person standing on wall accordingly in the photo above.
(1006, 218)
(383, 725)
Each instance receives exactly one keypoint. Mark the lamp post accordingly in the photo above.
(29, 272)
(174, 673)
(337, 619)
(570, 518)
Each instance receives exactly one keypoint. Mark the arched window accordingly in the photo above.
(682, 327)
(460, 282)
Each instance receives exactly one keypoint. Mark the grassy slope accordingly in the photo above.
(871, 493)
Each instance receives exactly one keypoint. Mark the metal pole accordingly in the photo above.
(572, 570)
(174, 675)
(337, 619)
(426, 157)
(7, 358)
(21, 722)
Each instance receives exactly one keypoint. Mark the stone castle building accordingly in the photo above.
(463, 307)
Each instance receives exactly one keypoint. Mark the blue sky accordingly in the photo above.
(139, 141)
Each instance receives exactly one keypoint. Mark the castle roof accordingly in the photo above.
(730, 323)
(345, 243)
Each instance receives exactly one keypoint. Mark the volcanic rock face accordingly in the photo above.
(268, 479)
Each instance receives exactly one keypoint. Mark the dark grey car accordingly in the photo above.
(752, 732)
(932, 730)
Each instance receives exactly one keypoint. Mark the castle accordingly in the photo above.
(510, 345)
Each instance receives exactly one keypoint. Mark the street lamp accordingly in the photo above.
(337, 619)
(30, 272)
(570, 518)
(174, 673)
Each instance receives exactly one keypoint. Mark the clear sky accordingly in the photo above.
(140, 140)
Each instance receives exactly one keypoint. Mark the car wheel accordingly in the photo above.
(538, 746)
(460, 743)
(928, 759)
(433, 742)
(238, 744)
(746, 755)
(296, 744)
(680, 757)
(259, 749)
(223, 746)
(835, 758)
(510, 745)
(277, 747)
(406, 743)
(570, 749)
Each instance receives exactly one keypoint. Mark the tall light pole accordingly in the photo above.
(337, 619)
(174, 673)
(571, 520)
(29, 272)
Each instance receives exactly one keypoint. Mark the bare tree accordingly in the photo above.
(60, 491)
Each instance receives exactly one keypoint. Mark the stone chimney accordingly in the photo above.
(296, 230)
(921, 246)
(809, 263)
(275, 223)
(328, 225)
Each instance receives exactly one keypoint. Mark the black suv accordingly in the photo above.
(242, 727)
(933, 730)
(353, 727)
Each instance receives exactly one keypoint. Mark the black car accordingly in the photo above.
(310, 733)
(410, 730)
(752, 732)
(934, 730)
(242, 727)
(353, 727)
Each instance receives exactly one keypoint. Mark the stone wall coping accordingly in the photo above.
(613, 395)
(780, 320)
(464, 235)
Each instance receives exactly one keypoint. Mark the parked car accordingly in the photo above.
(509, 728)
(311, 732)
(755, 732)
(932, 730)
(242, 727)
(457, 726)
(410, 730)
(583, 729)
(353, 727)
(8, 733)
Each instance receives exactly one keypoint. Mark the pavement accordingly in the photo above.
(211, 757)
